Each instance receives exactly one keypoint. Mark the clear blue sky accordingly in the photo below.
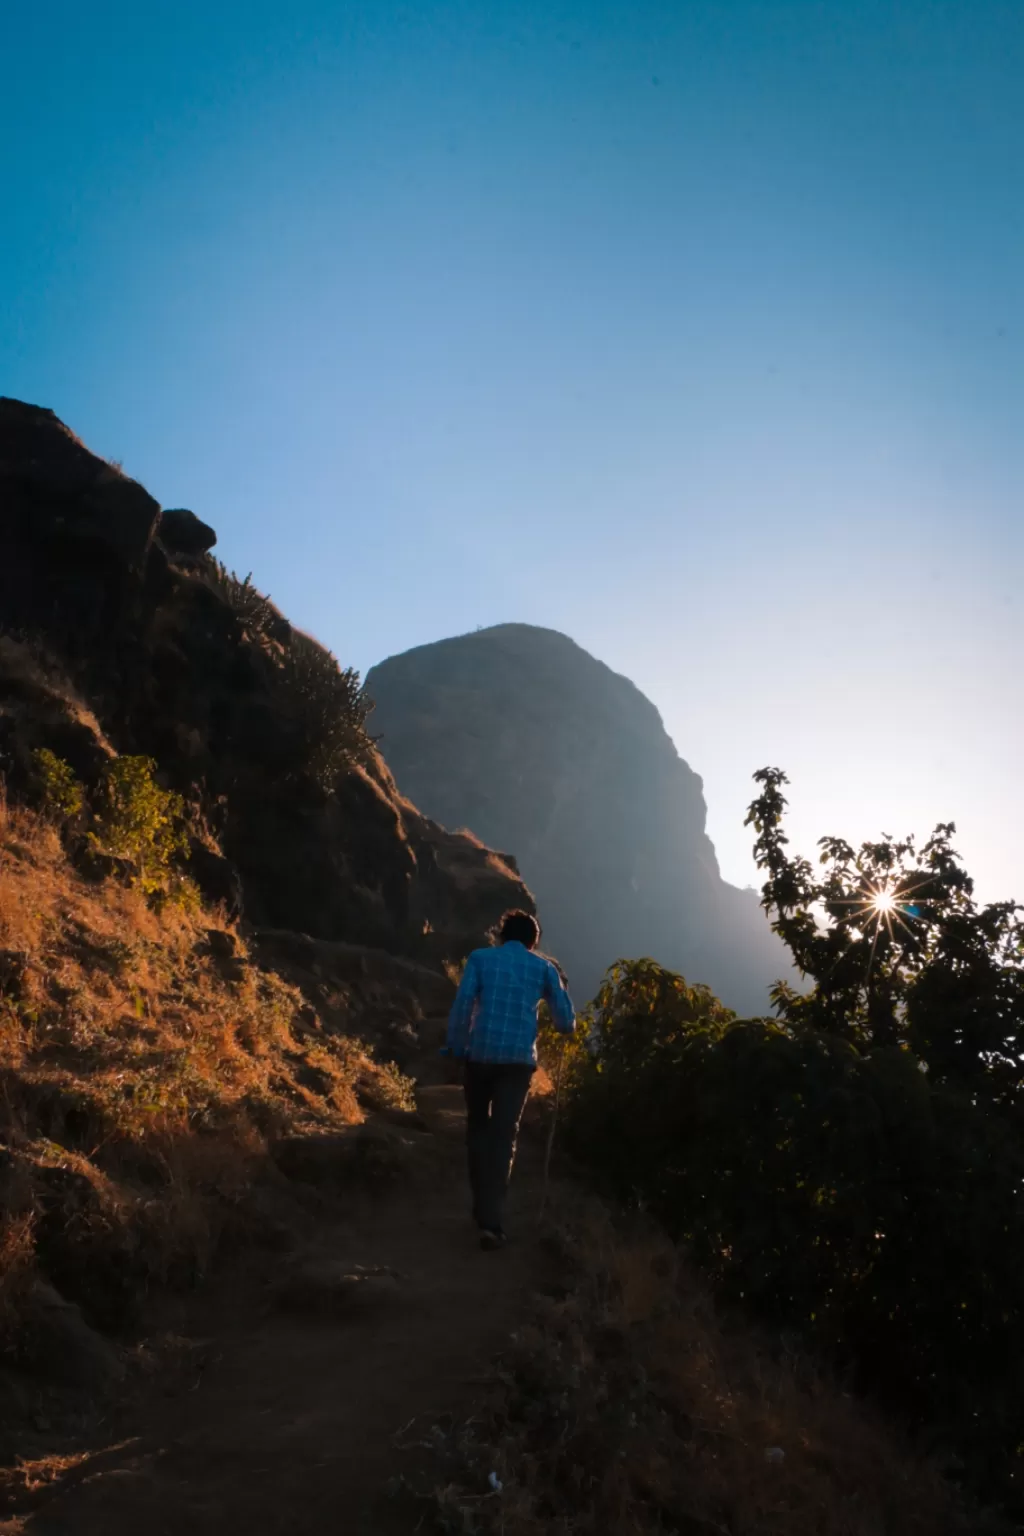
(693, 329)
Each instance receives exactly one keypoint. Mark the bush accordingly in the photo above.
(143, 824)
(323, 703)
(133, 820)
(254, 611)
(61, 795)
(629, 1409)
(383, 1085)
(853, 1170)
(328, 710)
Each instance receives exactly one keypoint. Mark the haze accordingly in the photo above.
(693, 330)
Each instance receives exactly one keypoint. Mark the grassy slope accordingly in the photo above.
(145, 1066)
(629, 1409)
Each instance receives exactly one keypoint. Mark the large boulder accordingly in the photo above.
(182, 533)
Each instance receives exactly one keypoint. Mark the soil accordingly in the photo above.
(295, 1424)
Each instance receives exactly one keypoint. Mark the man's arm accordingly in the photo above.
(461, 1016)
(556, 995)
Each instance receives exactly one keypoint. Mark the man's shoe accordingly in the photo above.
(492, 1237)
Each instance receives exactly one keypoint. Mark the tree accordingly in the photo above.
(852, 1169)
(898, 950)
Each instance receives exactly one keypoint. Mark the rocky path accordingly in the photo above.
(291, 1429)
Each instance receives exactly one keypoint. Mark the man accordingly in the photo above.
(493, 1029)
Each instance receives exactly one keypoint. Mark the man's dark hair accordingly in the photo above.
(519, 925)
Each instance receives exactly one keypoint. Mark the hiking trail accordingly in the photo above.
(291, 1428)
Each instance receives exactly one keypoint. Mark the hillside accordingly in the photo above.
(238, 1285)
(518, 734)
(133, 639)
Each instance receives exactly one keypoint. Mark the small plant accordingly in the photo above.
(63, 798)
(390, 1088)
(184, 894)
(453, 969)
(142, 823)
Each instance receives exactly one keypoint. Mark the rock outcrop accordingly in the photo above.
(183, 533)
(124, 636)
(518, 734)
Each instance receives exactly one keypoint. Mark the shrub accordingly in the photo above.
(62, 796)
(384, 1085)
(837, 1191)
(323, 702)
(328, 710)
(254, 611)
(629, 1409)
(140, 822)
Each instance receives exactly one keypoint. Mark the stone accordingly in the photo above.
(217, 877)
(366, 1153)
(182, 533)
(222, 944)
(58, 1342)
(333, 1288)
(404, 1119)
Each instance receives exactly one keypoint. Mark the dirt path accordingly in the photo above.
(291, 1429)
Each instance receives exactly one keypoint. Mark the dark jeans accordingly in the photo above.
(496, 1094)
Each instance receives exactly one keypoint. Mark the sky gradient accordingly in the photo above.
(695, 330)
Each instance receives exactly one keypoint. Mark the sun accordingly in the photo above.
(881, 910)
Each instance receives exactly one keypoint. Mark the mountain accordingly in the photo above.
(521, 736)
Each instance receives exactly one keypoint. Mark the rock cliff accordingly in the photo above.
(518, 734)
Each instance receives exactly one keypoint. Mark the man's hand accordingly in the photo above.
(454, 1067)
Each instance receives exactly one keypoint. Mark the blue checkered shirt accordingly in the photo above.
(494, 1016)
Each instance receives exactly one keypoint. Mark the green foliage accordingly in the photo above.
(327, 709)
(139, 821)
(133, 820)
(935, 972)
(63, 798)
(853, 1169)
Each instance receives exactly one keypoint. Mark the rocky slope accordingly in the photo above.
(518, 734)
(141, 643)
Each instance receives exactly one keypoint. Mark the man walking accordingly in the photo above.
(493, 1029)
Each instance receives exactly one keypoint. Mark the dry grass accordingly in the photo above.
(629, 1410)
(145, 1065)
(31, 672)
